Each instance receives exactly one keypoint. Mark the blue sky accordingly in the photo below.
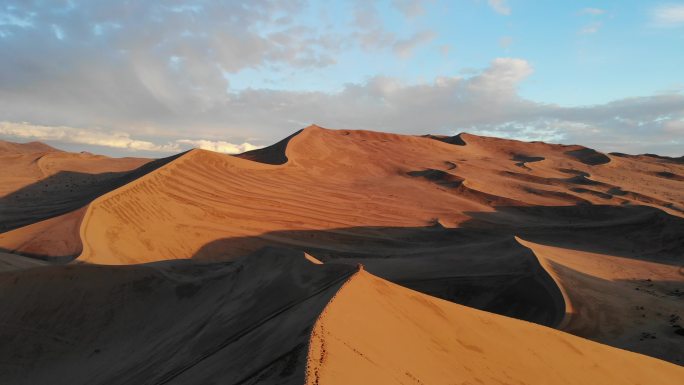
(152, 78)
(582, 54)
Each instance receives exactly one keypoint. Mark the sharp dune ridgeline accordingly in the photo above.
(343, 257)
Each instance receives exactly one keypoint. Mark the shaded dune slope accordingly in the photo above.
(11, 262)
(274, 154)
(176, 322)
(190, 322)
(618, 267)
(477, 268)
(39, 181)
(611, 300)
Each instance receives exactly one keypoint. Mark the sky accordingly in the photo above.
(152, 78)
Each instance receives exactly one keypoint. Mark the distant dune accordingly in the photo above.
(562, 236)
(51, 188)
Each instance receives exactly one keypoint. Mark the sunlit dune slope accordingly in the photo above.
(330, 181)
(176, 322)
(375, 332)
(345, 179)
(52, 239)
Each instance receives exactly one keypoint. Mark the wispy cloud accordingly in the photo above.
(668, 15)
(500, 6)
(591, 28)
(372, 35)
(595, 26)
(121, 140)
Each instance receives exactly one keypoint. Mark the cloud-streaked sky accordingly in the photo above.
(156, 77)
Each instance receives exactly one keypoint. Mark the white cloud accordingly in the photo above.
(593, 11)
(486, 102)
(500, 6)
(118, 140)
(119, 66)
(372, 35)
(118, 60)
(219, 146)
(502, 76)
(668, 15)
(121, 140)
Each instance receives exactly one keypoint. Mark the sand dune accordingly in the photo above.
(414, 218)
(561, 236)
